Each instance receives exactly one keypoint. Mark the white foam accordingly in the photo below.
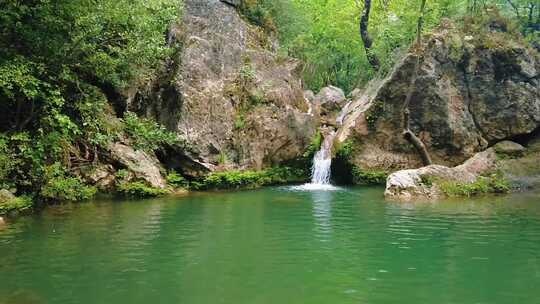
(314, 187)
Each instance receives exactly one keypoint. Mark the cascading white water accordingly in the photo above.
(321, 169)
(322, 162)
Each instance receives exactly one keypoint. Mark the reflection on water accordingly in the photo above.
(322, 213)
(276, 246)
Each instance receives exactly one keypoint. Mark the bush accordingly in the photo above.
(369, 177)
(249, 179)
(22, 203)
(147, 134)
(494, 183)
(345, 150)
(176, 180)
(139, 189)
(60, 187)
(314, 146)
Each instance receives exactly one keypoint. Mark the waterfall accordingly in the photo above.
(320, 171)
(322, 162)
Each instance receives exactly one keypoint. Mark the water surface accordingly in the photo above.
(276, 246)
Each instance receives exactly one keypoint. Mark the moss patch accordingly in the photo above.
(375, 112)
(494, 183)
(369, 177)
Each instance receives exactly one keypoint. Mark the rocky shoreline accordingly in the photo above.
(244, 119)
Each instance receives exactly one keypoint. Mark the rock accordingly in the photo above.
(143, 165)
(422, 183)
(467, 98)
(509, 148)
(2, 221)
(309, 95)
(355, 94)
(235, 102)
(331, 99)
(234, 3)
(6, 196)
(523, 170)
(102, 176)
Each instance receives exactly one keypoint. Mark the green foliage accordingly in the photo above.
(427, 180)
(369, 177)
(249, 179)
(494, 183)
(60, 186)
(314, 146)
(139, 189)
(223, 159)
(175, 180)
(374, 113)
(63, 65)
(345, 150)
(22, 203)
(146, 134)
(240, 122)
(325, 35)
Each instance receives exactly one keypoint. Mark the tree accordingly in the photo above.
(407, 133)
(366, 38)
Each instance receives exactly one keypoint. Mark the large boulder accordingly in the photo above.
(331, 99)
(231, 97)
(474, 89)
(509, 162)
(142, 165)
(424, 182)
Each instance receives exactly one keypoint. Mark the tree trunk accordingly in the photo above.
(366, 39)
(407, 133)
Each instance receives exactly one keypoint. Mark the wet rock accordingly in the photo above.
(143, 165)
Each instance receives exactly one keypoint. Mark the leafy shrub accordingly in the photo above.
(62, 62)
(369, 177)
(139, 189)
(494, 183)
(22, 203)
(249, 179)
(314, 146)
(147, 134)
(345, 150)
(60, 186)
(176, 180)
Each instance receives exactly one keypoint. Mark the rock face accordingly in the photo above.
(227, 93)
(474, 89)
(140, 164)
(518, 165)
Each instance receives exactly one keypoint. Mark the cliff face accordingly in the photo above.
(474, 89)
(228, 94)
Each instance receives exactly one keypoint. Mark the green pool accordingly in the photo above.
(276, 246)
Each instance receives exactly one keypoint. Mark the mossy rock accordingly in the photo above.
(509, 149)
